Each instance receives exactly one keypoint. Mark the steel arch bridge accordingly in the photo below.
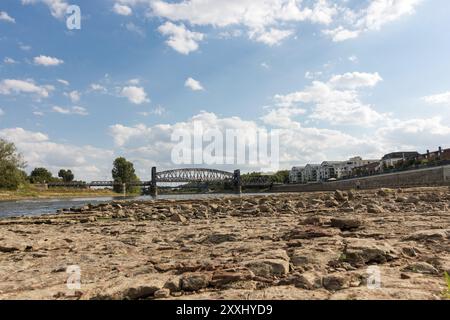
(194, 175)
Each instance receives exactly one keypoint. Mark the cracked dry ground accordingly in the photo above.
(281, 246)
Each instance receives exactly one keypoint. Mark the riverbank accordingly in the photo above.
(375, 244)
(32, 193)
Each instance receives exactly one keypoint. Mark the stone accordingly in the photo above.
(195, 281)
(421, 267)
(8, 249)
(301, 281)
(224, 277)
(429, 235)
(311, 232)
(331, 203)
(340, 196)
(162, 293)
(335, 282)
(178, 218)
(359, 252)
(345, 224)
(268, 267)
(173, 284)
(374, 208)
(220, 238)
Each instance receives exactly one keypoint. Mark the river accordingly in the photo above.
(46, 206)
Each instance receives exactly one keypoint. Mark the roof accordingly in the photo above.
(400, 154)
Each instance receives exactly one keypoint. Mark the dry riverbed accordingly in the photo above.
(290, 246)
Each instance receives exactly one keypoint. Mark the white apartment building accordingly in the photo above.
(326, 170)
(296, 175)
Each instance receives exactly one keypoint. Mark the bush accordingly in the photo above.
(10, 177)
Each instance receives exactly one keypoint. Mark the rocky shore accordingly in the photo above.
(378, 244)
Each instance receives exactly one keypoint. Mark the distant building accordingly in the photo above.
(391, 159)
(311, 173)
(296, 175)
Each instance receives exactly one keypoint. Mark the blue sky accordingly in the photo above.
(339, 78)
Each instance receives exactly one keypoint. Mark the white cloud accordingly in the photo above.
(57, 7)
(414, 134)
(130, 26)
(38, 113)
(71, 111)
(4, 16)
(272, 36)
(371, 18)
(2, 112)
(14, 86)
(355, 80)
(442, 98)
(158, 111)
(47, 61)
(336, 101)
(122, 10)
(193, 84)
(97, 87)
(181, 39)
(74, 96)
(9, 60)
(136, 95)
(64, 82)
(87, 162)
(353, 59)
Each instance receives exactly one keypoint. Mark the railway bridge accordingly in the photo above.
(186, 175)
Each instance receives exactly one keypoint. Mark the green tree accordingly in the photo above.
(123, 172)
(11, 163)
(66, 175)
(40, 175)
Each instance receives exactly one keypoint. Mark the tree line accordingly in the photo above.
(13, 174)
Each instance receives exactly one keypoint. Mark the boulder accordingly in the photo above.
(359, 252)
(421, 267)
(335, 282)
(340, 196)
(195, 281)
(178, 218)
(268, 267)
(345, 223)
(224, 277)
(429, 235)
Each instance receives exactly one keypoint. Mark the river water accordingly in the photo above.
(45, 206)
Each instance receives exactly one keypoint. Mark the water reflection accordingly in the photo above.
(46, 206)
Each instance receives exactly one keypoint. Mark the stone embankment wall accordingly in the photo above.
(438, 176)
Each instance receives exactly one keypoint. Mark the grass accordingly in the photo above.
(31, 192)
(447, 292)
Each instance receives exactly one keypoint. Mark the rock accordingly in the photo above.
(224, 277)
(404, 276)
(8, 249)
(302, 281)
(268, 267)
(331, 203)
(314, 220)
(345, 224)
(421, 267)
(340, 196)
(360, 252)
(174, 284)
(140, 287)
(162, 293)
(311, 233)
(374, 208)
(220, 238)
(335, 282)
(195, 281)
(384, 192)
(178, 218)
(429, 235)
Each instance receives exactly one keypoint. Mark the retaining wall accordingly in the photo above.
(437, 176)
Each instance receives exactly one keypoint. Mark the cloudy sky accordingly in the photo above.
(339, 78)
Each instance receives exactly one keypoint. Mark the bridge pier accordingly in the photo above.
(237, 181)
(153, 184)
